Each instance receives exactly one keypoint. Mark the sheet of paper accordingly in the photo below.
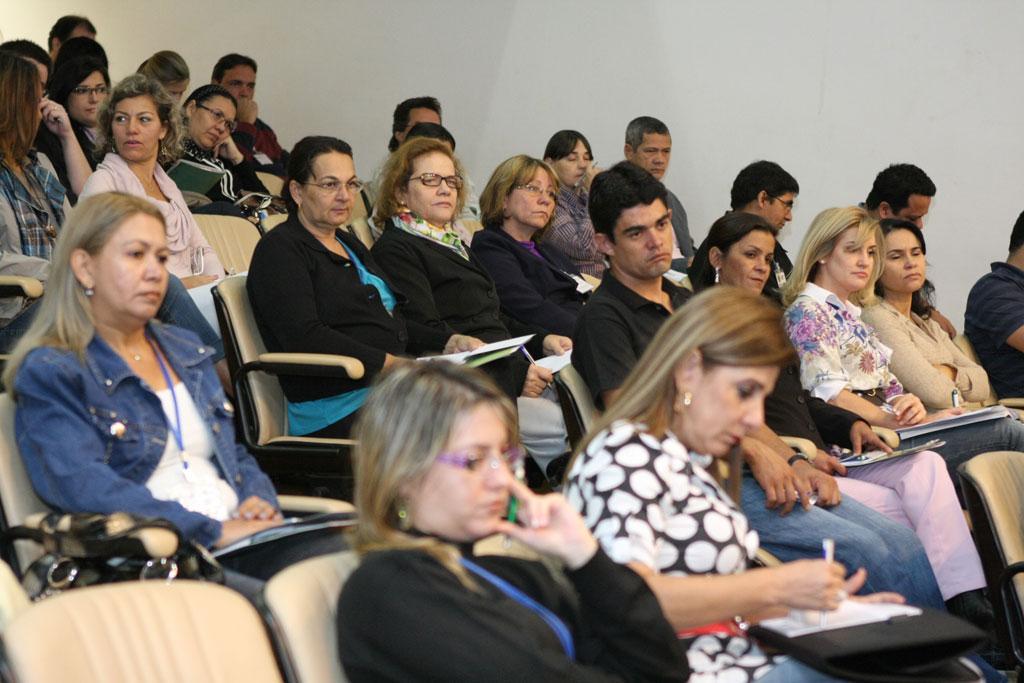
(850, 613)
(466, 356)
(555, 363)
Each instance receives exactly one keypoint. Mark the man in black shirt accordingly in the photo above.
(633, 229)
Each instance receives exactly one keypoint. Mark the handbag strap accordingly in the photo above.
(549, 617)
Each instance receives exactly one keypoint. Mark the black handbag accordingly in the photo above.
(905, 649)
(85, 549)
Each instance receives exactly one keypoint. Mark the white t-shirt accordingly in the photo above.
(199, 487)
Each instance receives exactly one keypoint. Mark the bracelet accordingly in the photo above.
(799, 455)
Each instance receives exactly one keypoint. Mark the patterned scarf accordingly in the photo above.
(39, 214)
(446, 236)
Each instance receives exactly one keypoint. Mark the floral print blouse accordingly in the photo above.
(837, 350)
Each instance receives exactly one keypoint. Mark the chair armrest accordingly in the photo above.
(766, 559)
(1013, 402)
(312, 504)
(20, 285)
(891, 438)
(309, 364)
(805, 446)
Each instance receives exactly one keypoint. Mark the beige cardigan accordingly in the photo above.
(917, 347)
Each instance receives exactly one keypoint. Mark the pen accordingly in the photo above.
(828, 547)
(527, 354)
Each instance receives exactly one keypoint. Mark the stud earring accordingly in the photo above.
(89, 291)
(682, 401)
(404, 523)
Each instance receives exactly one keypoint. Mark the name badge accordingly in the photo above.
(263, 159)
(582, 286)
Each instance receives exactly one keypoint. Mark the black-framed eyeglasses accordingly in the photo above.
(787, 203)
(434, 180)
(469, 460)
(333, 185)
(85, 90)
(219, 117)
(537, 190)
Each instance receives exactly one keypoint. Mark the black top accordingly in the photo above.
(50, 145)
(782, 262)
(309, 300)
(995, 310)
(452, 294)
(243, 174)
(540, 291)
(404, 617)
(614, 329)
(790, 410)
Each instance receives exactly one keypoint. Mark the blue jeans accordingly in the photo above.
(891, 553)
(179, 309)
(963, 443)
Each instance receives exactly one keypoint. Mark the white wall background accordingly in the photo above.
(833, 90)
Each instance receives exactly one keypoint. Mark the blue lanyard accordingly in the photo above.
(549, 617)
(175, 428)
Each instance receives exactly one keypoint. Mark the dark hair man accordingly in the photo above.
(765, 189)
(408, 113)
(994, 320)
(901, 191)
(69, 26)
(255, 138)
(33, 53)
(649, 146)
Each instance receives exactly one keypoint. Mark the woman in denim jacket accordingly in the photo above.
(117, 411)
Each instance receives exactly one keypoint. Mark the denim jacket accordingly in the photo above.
(92, 434)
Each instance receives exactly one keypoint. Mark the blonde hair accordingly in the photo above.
(726, 325)
(820, 241)
(64, 317)
(407, 420)
(510, 174)
(398, 170)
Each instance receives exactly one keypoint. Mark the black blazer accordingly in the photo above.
(451, 295)
(541, 292)
(308, 300)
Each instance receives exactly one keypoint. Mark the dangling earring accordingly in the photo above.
(404, 523)
(718, 275)
(682, 401)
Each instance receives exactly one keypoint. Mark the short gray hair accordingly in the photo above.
(644, 125)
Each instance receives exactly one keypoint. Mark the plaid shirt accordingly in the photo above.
(572, 233)
(37, 224)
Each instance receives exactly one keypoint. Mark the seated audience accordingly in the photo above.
(67, 27)
(448, 289)
(117, 412)
(422, 605)
(619, 322)
(80, 87)
(315, 288)
(209, 120)
(994, 319)
(924, 359)
(841, 359)
(696, 391)
(649, 146)
(765, 189)
(140, 129)
(571, 232)
(536, 283)
(915, 491)
(32, 200)
(169, 69)
(252, 135)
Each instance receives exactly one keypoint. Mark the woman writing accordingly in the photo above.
(315, 288)
(914, 491)
(449, 290)
(572, 233)
(924, 358)
(643, 486)
(536, 283)
(423, 606)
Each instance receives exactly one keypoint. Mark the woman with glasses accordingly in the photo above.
(209, 121)
(140, 129)
(422, 605)
(80, 86)
(315, 288)
(449, 289)
(536, 283)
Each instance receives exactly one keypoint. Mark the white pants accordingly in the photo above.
(542, 428)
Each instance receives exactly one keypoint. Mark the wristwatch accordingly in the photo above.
(800, 455)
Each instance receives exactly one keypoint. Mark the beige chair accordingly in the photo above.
(315, 465)
(141, 631)
(271, 222)
(13, 600)
(301, 609)
(577, 404)
(273, 182)
(233, 239)
(993, 487)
